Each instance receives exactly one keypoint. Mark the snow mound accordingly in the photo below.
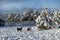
(10, 33)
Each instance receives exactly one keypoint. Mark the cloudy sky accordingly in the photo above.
(19, 4)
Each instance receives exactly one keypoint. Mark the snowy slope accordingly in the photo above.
(10, 33)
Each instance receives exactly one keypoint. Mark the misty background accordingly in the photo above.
(19, 5)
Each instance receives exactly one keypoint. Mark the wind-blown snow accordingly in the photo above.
(10, 33)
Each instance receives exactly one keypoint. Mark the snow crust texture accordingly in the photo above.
(12, 34)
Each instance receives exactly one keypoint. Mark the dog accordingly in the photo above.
(29, 29)
(19, 29)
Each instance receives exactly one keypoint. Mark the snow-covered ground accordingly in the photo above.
(10, 33)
